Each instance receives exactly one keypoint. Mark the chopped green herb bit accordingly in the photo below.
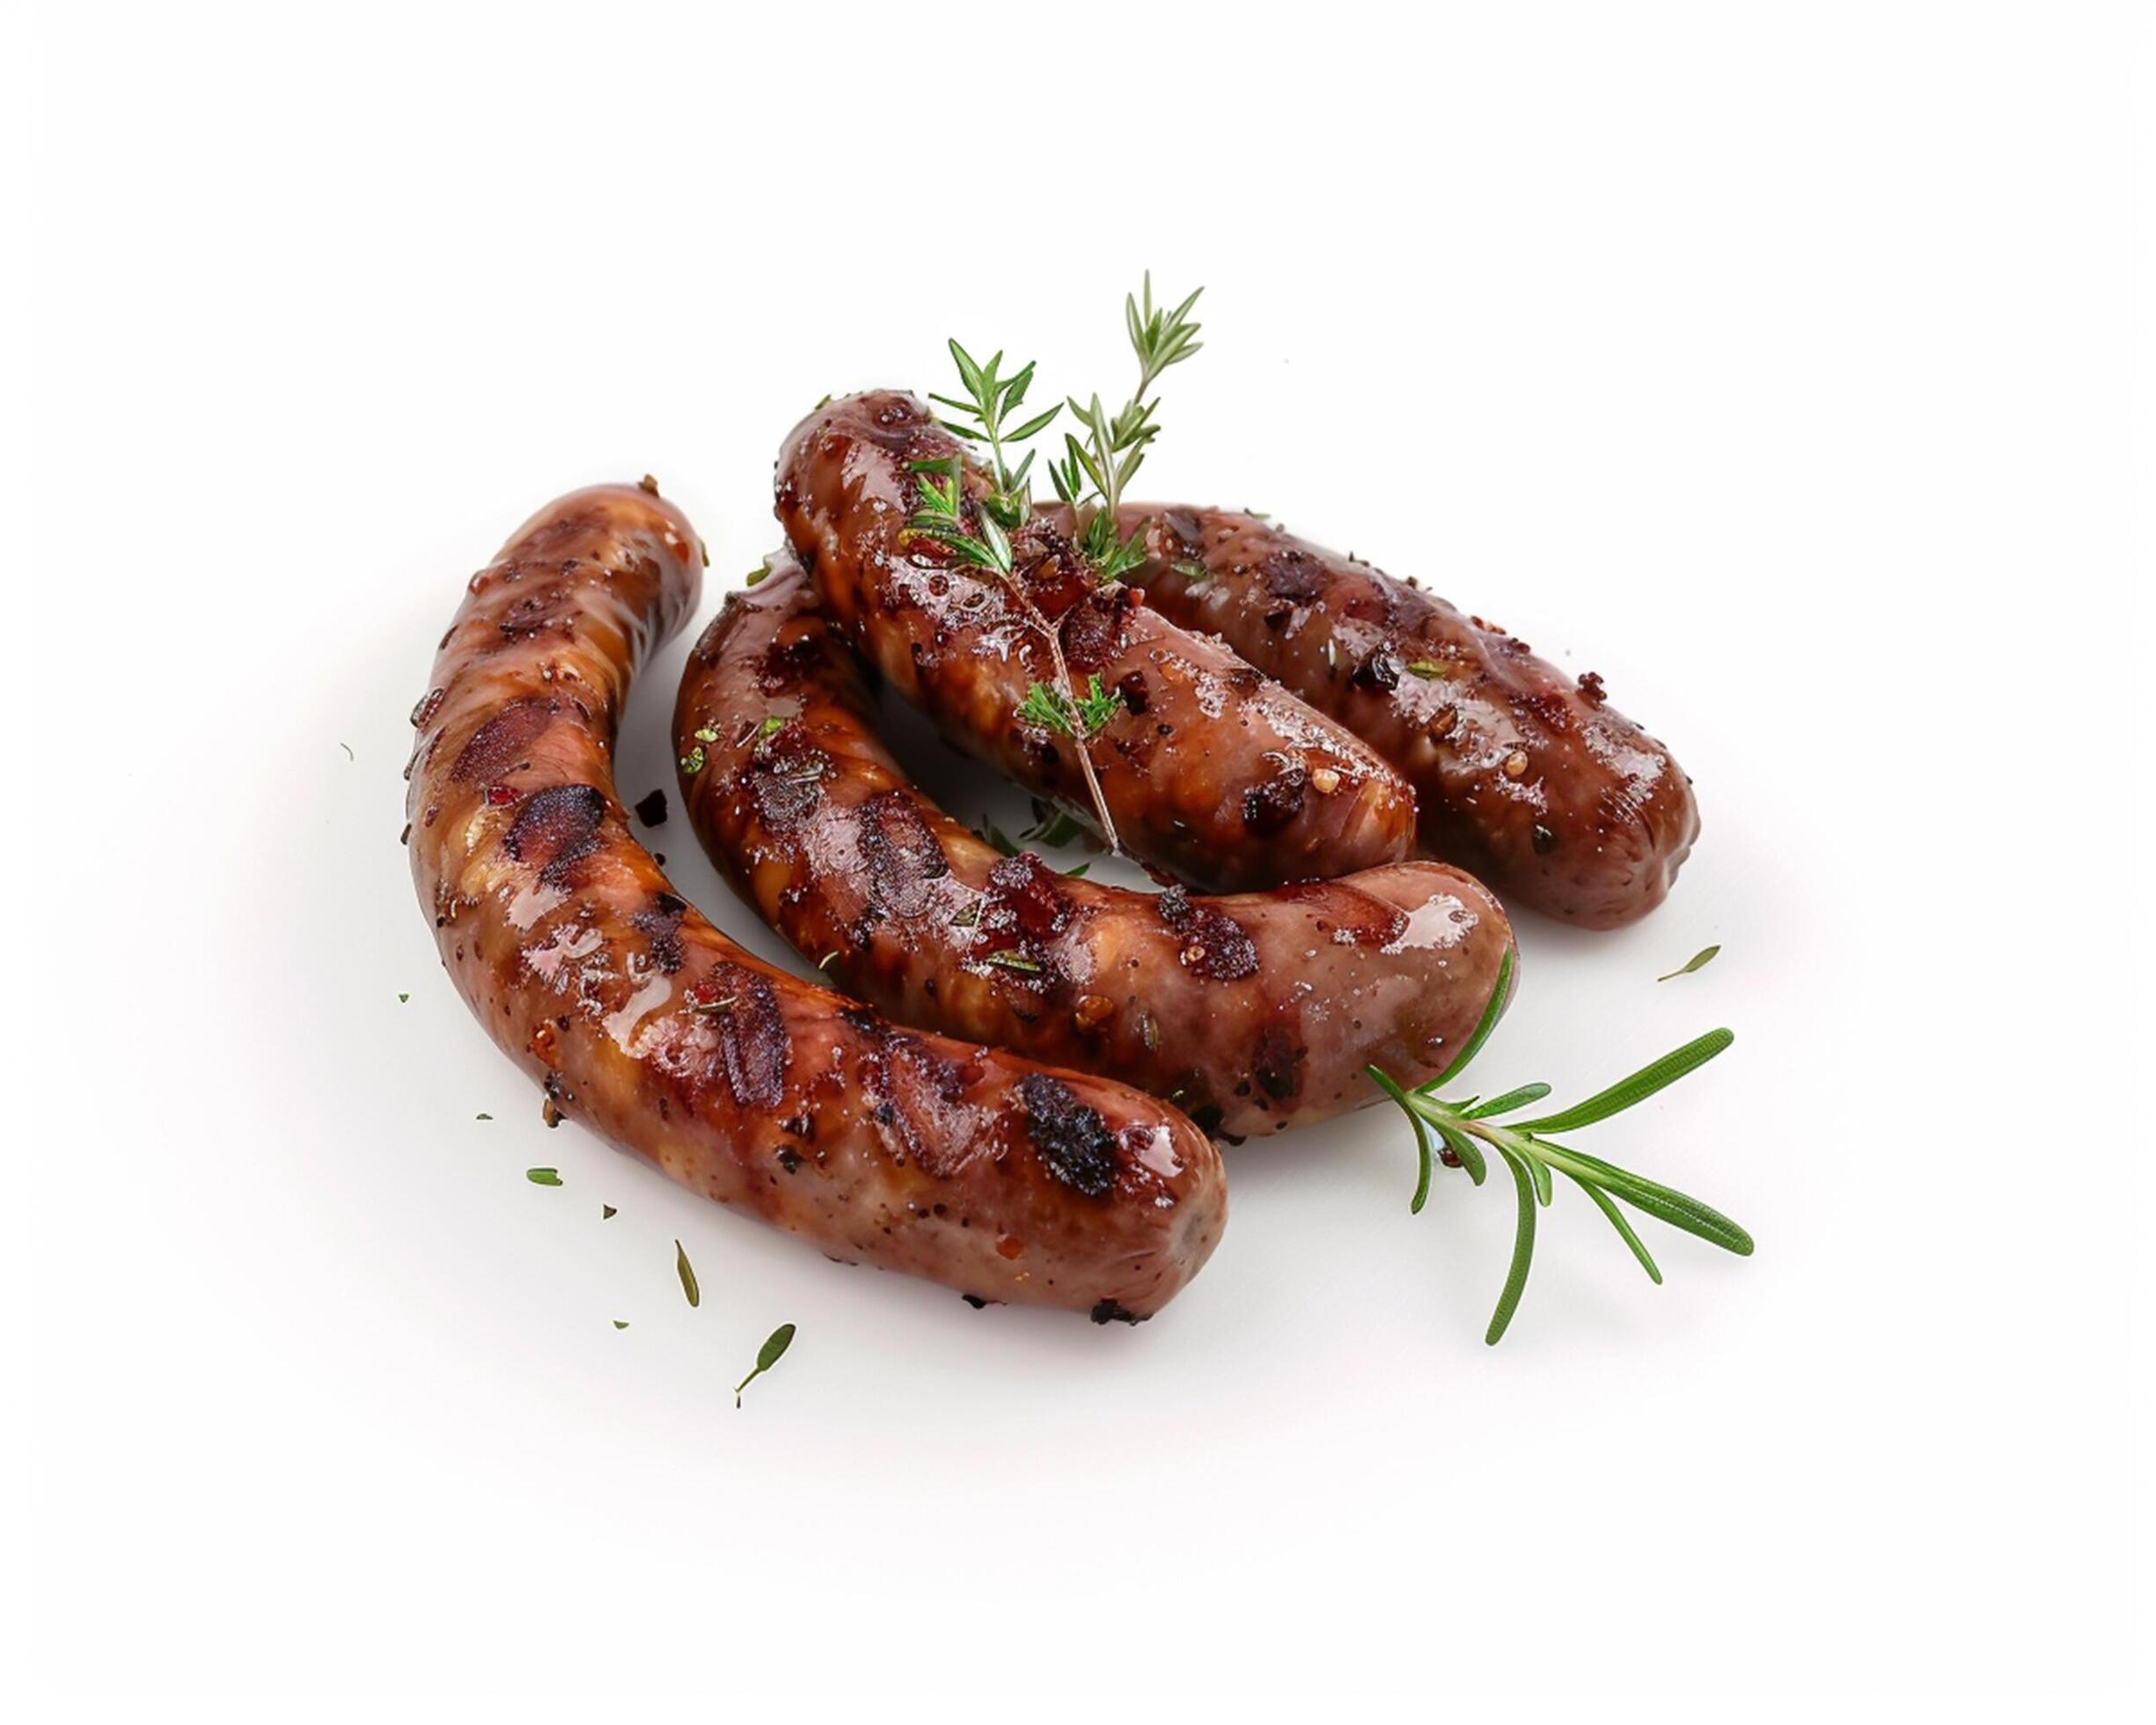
(773, 723)
(1012, 961)
(621, 1324)
(692, 761)
(767, 1356)
(762, 571)
(1705, 956)
(704, 733)
(401, 998)
(486, 1116)
(1430, 669)
(607, 1213)
(688, 1275)
(543, 1176)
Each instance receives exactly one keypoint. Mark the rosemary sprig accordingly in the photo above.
(1464, 1129)
(1104, 462)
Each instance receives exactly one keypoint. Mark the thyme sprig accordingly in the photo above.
(976, 529)
(1463, 1130)
(1097, 468)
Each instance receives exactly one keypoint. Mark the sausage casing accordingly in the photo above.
(994, 1175)
(1208, 770)
(1524, 775)
(1254, 1013)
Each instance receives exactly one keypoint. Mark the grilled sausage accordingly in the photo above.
(1254, 1013)
(1207, 769)
(1527, 777)
(995, 1176)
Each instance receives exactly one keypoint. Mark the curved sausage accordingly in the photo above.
(1253, 1013)
(1527, 777)
(1208, 770)
(991, 1174)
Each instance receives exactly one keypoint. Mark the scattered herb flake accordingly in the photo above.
(1698, 959)
(1007, 960)
(402, 998)
(692, 761)
(762, 571)
(486, 1116)
(1077, 873)
(767, 1356)
(704, 733)
(543, 1176)
(774, 723)
(607, 1213)
(688, 1275)
(1429, 670)
(621, 1324)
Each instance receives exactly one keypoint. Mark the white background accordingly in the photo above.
(1777, 363)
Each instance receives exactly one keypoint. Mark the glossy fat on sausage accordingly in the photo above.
(1208, 771)
(1525, 776)
(989, 1173)
(1253, 1013)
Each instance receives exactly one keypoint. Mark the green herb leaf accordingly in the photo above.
(688, 1275)
(1427, 1160)
(1493, 1010)
(767, 1356)
(1705, 956)
(1011, 960)
(1623, 1227)
(402, 998)
(486, 1116)
(1522, 1251)
(621, 1324)
(1629, 1093)
(1505, 1104)
(607, 1213)
(543, 1176)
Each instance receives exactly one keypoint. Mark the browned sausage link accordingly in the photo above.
(1531, 780)
(997, 1177)
(1254, 1013)
(1207, 769)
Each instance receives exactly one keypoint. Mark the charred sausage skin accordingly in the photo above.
(1209, 771)
(1254, 1013)
(989, 1173)
(1524, 775)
